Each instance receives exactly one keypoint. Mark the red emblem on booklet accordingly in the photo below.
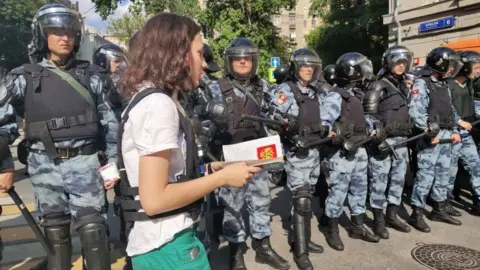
(267, 152)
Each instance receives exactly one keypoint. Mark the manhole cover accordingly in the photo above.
(447, 257)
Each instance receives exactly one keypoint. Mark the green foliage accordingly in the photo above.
(229, 19)
(349, 26)
(15, 28)
(225, 20)
(126, 26)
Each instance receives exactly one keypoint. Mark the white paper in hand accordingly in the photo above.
(262, 151)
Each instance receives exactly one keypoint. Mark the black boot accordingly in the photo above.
(379, 224)
(451, 210)
(476, 206)
(333, 237)
(299, 243)
(358, 231)
(324, 220)
(417, 221)
(439, 214)
(311, 246)
(393, 221)
(265, 254)
(236, 256)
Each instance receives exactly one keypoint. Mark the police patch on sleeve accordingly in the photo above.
(415, 92)
(281, 98)
(6, 83)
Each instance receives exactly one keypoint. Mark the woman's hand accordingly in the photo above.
(236, 175)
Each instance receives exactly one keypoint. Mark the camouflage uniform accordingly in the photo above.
(63, 187)
(256, 193)
(438, 156)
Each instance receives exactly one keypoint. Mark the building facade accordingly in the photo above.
(296, 23)
(427, 24)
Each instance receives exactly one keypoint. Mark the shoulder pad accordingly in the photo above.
(17, 71)
(376, 86)
(92, 68)
(323, 86)
(372, 99)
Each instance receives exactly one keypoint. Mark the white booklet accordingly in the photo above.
(257, 152)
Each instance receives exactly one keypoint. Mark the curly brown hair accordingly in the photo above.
(160, 54)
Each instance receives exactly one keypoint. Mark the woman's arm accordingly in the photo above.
(158, 196)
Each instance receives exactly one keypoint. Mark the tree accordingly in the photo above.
(349, 26)
(15, 28)
(224, 20)
(123, 28)
(228, 19)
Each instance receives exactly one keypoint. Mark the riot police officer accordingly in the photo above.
(348, 167)
(112, 58)
(386, 101)
(243, 91)
(329, 74)
(298, 101)
(430, 103)
(62, 100)
(462, 98)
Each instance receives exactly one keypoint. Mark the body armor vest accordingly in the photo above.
(462, 99)
(440, 106)
(352, 111)
(130, 206)
(55, 110)
(309, 109)
(240, 130)
(393, 110)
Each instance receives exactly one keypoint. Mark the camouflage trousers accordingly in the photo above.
(302, 170)
(256, 193)
(348, 176)
(433, 172)
(65, 186)
(467, 152)
(386, 171)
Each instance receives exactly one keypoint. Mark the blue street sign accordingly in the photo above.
(275, 62)
(438, 24)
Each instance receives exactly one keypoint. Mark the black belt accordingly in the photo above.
(67, 153)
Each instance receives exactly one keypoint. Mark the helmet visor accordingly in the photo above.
(400, 58)
(60, 24)
(242, 67)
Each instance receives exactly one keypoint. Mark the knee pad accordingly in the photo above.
(92, 229)
(57, 231)
(302, 206)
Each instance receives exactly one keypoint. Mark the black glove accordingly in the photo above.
(381, 134)
(433, 130)
(293, 125)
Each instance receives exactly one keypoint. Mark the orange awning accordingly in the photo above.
(464, 45)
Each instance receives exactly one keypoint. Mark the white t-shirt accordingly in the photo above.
(153, 126)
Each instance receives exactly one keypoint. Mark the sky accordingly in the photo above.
(93, 19)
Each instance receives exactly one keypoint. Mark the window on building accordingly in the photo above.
(293, 34)
(292, 20)
(205, 4)
(314, 23)
(276, 20)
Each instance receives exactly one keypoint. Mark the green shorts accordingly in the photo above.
(184, 252)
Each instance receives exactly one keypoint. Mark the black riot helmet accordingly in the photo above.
(305, 58)
(396, 55)
(329, 74)
(241, 48)
(353, 67)
(442, 60)
(468, 58)
(281, 73)
(212, 67)
(106, 53)
(55, 17)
